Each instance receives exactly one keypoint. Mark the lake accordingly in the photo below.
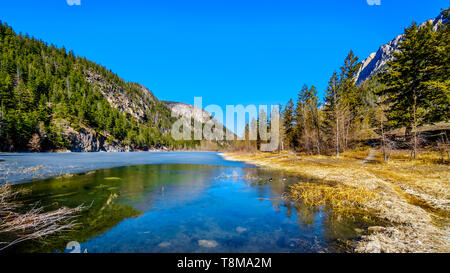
(173, 202)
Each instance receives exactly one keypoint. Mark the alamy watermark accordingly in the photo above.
(74, 247)
(194, 124)
(73, 2)
(374, 2)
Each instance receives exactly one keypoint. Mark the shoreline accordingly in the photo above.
(418, 214)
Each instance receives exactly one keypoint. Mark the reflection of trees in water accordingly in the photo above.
(276, 184)
(337, 228)
(306, 215)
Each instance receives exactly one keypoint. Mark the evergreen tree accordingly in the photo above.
(307, 129)
(417, 84)
(300, 116)
(350, 97)
(314, 105)
(288, 124)
(332, 111)
(437, 83)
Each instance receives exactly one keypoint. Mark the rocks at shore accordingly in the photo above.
(87, 140)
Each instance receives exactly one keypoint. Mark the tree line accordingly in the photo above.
(412, 90)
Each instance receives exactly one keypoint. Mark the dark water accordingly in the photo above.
(218, 206)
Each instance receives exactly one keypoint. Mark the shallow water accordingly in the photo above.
(179, 202)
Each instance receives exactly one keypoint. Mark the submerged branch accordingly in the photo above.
(32, 224)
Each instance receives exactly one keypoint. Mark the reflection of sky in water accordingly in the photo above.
(218, 207)
(204, 214)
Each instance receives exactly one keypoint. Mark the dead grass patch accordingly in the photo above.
(339, 197)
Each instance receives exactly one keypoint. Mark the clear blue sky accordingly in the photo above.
(229, 52)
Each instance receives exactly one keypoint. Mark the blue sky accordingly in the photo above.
(229, 52)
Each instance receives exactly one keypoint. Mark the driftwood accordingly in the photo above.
(32, 224)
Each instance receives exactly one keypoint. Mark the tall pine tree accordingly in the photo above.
(288, 125)
(417, 84)
(332, 111)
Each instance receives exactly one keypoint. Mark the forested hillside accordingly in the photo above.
(52, 99)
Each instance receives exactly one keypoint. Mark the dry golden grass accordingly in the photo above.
(412, 195)
(340, 198)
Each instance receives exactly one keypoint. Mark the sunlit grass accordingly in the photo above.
(339, 197)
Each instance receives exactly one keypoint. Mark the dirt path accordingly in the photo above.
(369, 158)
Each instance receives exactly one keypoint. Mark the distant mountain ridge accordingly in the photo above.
(376, 61)
(180, 109)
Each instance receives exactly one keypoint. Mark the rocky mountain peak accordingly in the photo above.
(376, 61)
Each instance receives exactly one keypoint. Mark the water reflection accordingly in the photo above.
(188, 208)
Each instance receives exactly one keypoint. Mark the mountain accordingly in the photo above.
(52, 99)
(376, 61)
(201, 116)
(181, 109)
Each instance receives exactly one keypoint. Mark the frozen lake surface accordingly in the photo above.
(22, 167)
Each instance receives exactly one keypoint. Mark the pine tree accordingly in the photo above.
(307, 129)
(332, 110)
(247, 137)
(313, 105)
(300, 116)
(254, 128)
(263, 127)
(349, 96)
(349, 72)
(417, 85)
(288, 124)
(438, 83)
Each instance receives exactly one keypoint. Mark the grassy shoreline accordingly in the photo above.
(412, 196)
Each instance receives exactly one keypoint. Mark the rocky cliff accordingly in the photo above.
(88, 140)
